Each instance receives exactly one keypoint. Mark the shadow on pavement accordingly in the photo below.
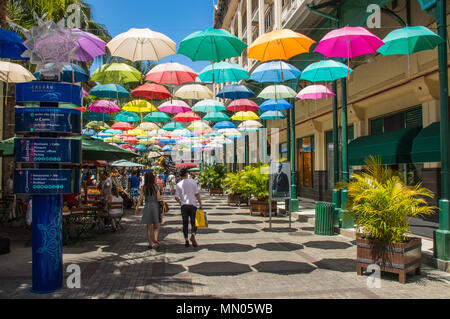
(279, 246)
(246, 222)
(240, 230)
(228, 247)
(224, 268)
(284, 267)
(327, 244)
(337, 264)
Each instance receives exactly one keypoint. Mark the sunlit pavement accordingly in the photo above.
(237, 257)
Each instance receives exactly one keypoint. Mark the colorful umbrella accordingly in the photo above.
(148, 126)
(97, 125)
(193, 92)
(315, 92)
(70, 73)
(173, 126)
(123, 126)
(171, 73)
(223, 72)
(103, 106)
(245, 116)
(89, 45)
(11, 45)
(116, 73)
(136, 132)
(141, 44)
(277, 92)
(131, 140)
(113, 131)
(279, 45)
(158, 133)
(327, 70)
(139, 106)
(127, 116)
(224, 125)
(198, 125)
(211, 45)
(208, 105)
(174, 106)
(249, 125)
(186, 165)
(112, 140)
(151, 91)
(234, 92)
(216, 117)
(275, 105)
(186, 117)
(272, 115)
(157, 117)
(242, 105)
(92, 116)
(275, 71)
(230, 132)
(113, 91)
(14, 73)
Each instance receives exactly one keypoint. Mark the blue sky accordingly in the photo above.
(175, 18)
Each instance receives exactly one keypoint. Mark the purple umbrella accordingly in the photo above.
(103, 106)
(84, 92)
(89, 45)
(174, 106)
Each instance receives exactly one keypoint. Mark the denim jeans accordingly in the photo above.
(188, 211)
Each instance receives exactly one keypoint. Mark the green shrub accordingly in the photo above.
(256, 181)
(212, 176)
(235, 183)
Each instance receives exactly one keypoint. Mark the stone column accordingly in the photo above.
(277, 14)
(239, 17)
(261, 16)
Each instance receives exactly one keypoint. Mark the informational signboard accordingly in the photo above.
(47, 150)
(46, 181)
(43, 91)
(47, 119)
(280, 180)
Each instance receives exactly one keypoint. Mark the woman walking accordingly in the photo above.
(150, 215)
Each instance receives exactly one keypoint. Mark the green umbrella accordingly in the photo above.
(216, 117)
(209, 105)
(116, 73)
(272, 115)
(157, 117)
(211, 45)
(277, 92)
(173, 126)
(125, 163)
(409, 40)
(97, 125)
(223, 72)
(92, 116)
(127, 116)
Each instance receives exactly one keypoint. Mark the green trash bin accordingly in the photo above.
(325, 215)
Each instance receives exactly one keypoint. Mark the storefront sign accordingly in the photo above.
(46, 181)
(47, 150)
(47, 119)
(44, 91)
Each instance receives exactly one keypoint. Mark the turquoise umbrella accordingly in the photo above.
(209, 105)
(157, 117)
(272, 115)
(173, 126)
(113, 131)
(216, 117)
(327, 70)
(223, 72)
(93, 116)
(127, 116)
(409, 40)
(112, 91)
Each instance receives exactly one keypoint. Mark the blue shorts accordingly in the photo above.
(134, 193)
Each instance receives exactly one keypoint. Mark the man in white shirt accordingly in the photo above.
(172, 181)
(187, 195)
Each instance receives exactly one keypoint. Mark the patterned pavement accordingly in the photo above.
(237, 257)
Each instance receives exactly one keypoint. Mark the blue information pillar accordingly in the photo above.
(46, 182)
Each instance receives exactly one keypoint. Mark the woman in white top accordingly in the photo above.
(115, 198)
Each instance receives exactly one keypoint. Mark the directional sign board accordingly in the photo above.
(47, 119)
(47, 150)
(43, 91)
(46, 181)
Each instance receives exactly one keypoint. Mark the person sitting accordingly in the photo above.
(71, 200)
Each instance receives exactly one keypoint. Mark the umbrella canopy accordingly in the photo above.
(223, 72)
(208, 105)
(92, 116)
(348, 42)
(250, 125)
(84, 93)
(109, 91)
(224, 125)
(173, 126)
(103, 106)
(69, 72)
(272, 115)
(131, 140)
(14, 73)
(136, 132)
(11, 45)
(112, 140)
(315, 92)
(113, 131)
(153, 154)
(97, 125)
(199, 125)
(139, 106)
(186, 165)
(235, 91)
(275, 105)
(116, 73)
(216, 117)
(157, 117)
(277, 92)
(148, 126)
(279, 45)
(174, 106)
(171, 73)
(327, 70)
(127, 116)
(211, 45)
(409, 40)
(242, 105)
(151, 91)
(89, 132)
(193, 92)
(275, 71)
(245, 116)
(89, 45)
(125, 163)
(123, 126)
(141, 44)
(186, 117)
(183, 132)
(230, 132)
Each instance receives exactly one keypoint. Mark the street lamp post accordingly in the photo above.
(336, 193)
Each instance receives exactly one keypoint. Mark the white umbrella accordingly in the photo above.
(148, 126)
(141, 44)
(194, 92)
(153, 154)
(250, 124)
(229, 132)
(14, 73)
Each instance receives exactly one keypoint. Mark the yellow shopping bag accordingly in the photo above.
(200, 219)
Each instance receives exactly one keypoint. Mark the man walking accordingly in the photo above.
(187, 195)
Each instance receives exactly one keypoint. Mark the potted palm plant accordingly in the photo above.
(256, 183)
(381, 206)
(214, 176)
(235, 185)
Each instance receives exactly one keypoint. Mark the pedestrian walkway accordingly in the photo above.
(237, 257)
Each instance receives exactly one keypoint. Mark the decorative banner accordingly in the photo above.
(43, 91)
(47, 119)
(47, 150)
(47, 181)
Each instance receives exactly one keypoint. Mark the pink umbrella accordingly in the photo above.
(103, 106)
(84, 92)
(131, 140)
(171, 73)
(124, 126)
(202, 132)
(174, 106)
(315, 92)
(349, 42)
(186, 117)
(242, 105)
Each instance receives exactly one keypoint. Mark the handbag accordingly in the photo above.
(201, 220)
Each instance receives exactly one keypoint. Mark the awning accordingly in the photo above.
(427, 145)
(390, 148)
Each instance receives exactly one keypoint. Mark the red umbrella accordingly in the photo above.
(132, 140)
(82, 109)
(171, 73)
(242, 105)
(186, 165)
(126, 146)
(124, 126)
(186, 117)
(151, 91)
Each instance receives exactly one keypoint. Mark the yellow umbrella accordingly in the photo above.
(139, 106)
(279, 45)
(245, 116)
(136, 132)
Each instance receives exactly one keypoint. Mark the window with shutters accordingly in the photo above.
(398, 121)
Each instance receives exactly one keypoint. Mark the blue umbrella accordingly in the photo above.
(140, 147)
(275, 71)
(79, 74)
(167, 141)
(127, 116)
(93, 116)
(275, 105)
(235, 91)
(89, 132)
(112, 91)
(11, 45)
(272, 115)
(167, 148)
(224, 125)
(113, 131)
(327, 70)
